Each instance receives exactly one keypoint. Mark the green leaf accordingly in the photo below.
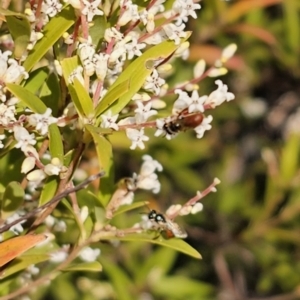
(136, 73)
(36, 79)
(29, 99)
(94, 266)
(56, 146)
(105, 159)
(113, 94)
(181, 287)
(119, 279)
(19, 28)
(51, 93)
(48, 190)
(97, 30)
(291, 22)
(13, 198)
(52, 32)
(290, 158)
(174, 243)
(163, 259)
(76, 101)
(22, 263)
(84, 98)
(68, 65)
(132, 206)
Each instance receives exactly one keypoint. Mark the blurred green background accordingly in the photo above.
(248, 232)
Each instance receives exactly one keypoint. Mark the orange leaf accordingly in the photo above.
(14, 247)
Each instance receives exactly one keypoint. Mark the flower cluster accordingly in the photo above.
(147, 179)
(98, 83)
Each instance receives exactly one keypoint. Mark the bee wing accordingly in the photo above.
(175, 229)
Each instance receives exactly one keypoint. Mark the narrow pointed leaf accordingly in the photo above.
(94, 266)
(174, 243)
(132, 206)
(22, 263)
(53, 31)
(105, 159)
(48, 190)
(28, 98)
(19, 28)
(14, 247)
(84, 98)
(36, 79)
(113, 94)
(50, 93)
(55, 142)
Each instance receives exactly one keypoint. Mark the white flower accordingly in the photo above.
(3, 62)
(100, 61)
(84, 213)
(134, 48)
(86, 50)
(205, 125)
(51, 7)
(182, 102)
(137, 137)
(196, 208)
(199, 68)
(36, 176)
(185, 8)
(154, 82)
(217, 72)
(28, 164)
(174, 32)
(150, 165)
(7, 114)
(149, 182)
(49, 221)
(89, 254)
(58, 256)
(91, 9)
(14, 72)
(143, 112)
(42, 121)
(228, 52)
(33, 270)
(147, 178)
(119, 53)
(109, 121)
(130, 14)
(60, 226)
(197, 103)
(147, 19)
(17, 228)
(173, 209)
(89, 67)
(220, 95)
(23, 137)
(112, 33)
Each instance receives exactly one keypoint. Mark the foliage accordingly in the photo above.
(96, 245)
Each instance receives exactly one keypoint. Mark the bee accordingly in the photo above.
(165, 225)
(183, 121)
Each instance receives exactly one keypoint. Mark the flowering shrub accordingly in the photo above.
(72, 75)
